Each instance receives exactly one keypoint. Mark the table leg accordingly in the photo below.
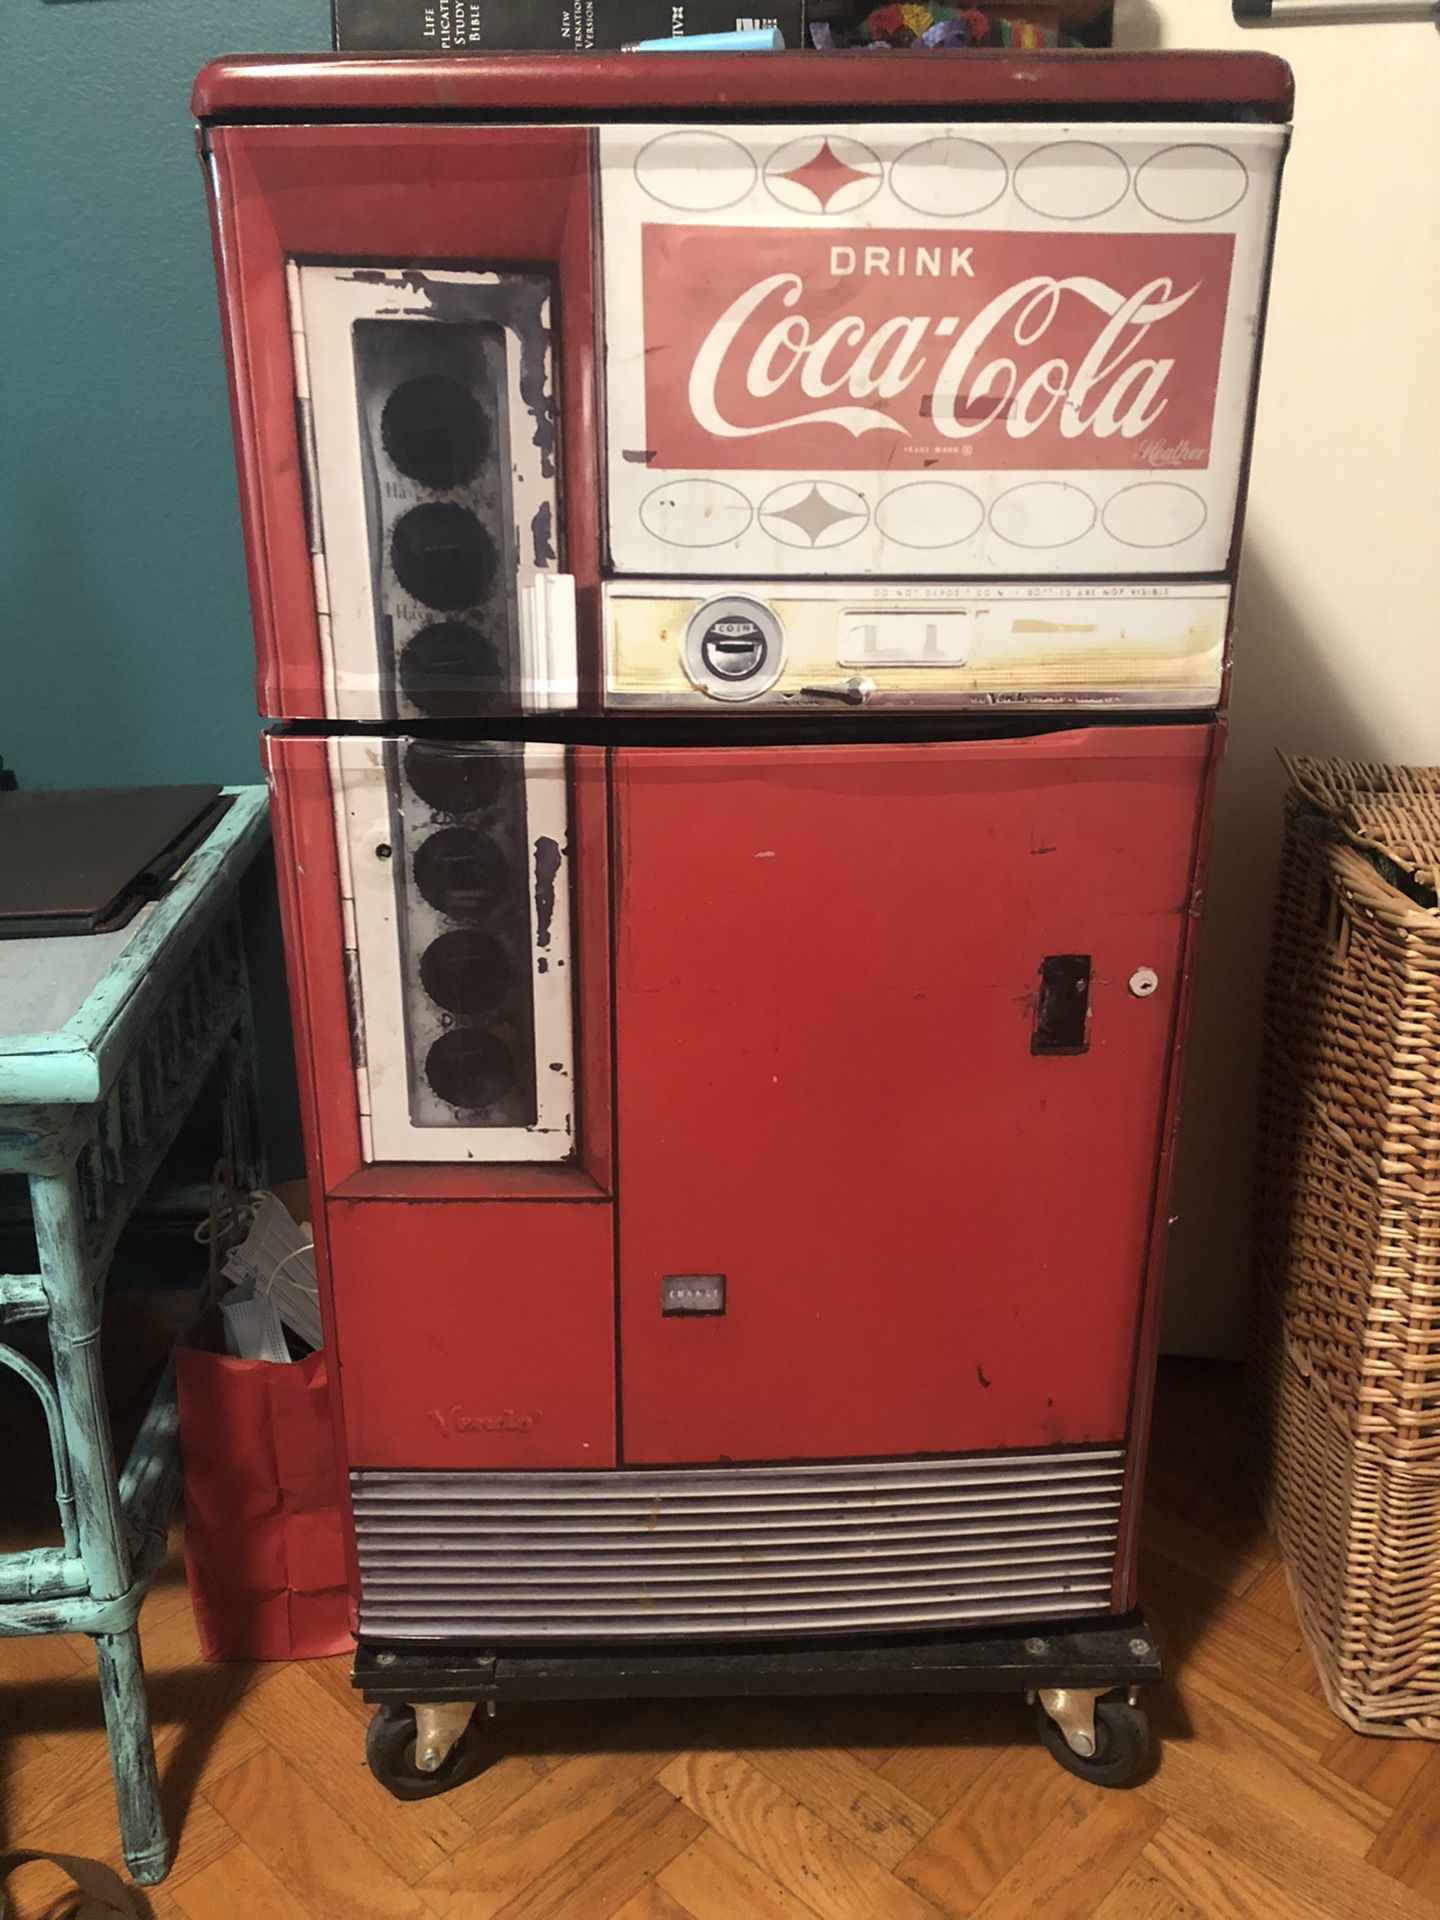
(73, 1292)
(143, 1838)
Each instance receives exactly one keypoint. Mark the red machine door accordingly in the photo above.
(866, 1091)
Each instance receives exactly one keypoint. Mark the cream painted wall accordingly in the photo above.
(1337, 645)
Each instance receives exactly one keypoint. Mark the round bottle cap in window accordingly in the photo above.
(733, 648)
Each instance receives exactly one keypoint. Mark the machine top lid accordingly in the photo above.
(1170, 85)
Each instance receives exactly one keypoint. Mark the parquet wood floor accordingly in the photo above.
(1262, 1806)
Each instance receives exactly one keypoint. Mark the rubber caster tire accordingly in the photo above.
(390, 1756)
(1122, 1744)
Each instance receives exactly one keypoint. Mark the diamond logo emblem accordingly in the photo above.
(836, 176)
(825, 175)
(809, 514)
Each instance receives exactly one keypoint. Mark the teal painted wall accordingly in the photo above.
(125, 643)
(125, 648)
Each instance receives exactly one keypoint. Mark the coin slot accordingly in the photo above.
(733, 648)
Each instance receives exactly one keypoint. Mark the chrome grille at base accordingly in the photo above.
(903, 1546)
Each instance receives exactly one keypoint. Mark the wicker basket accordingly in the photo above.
(1347, 1374)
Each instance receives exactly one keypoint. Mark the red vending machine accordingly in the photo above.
(742, 552)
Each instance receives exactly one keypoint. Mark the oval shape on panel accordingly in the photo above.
(695, 513)
(694, 170)
(927, 514)
(1043, 513)
(823, 173)
(948, 177)
(1190, 183)
(1072, 180)
(1154, 513)
(814, 513)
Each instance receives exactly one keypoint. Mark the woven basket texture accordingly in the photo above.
(1346, 1377)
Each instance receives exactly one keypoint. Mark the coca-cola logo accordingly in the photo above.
(879, 349)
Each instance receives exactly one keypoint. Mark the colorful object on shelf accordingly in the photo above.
(929, 27)
(903, 26)
(1024, 33)
(957, 32)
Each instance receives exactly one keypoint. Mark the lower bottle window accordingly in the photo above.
(461, 831)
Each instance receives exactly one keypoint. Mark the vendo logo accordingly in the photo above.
(453, 1420)
(792, 349)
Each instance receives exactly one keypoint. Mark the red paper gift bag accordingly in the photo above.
(264, 1552)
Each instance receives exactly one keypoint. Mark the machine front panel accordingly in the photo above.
(894, 1025)
(474, 1336)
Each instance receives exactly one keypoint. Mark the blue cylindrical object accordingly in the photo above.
(756, 40)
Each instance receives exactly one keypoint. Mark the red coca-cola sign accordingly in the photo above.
(797, 349)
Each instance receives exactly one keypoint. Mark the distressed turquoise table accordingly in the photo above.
(106, 1041)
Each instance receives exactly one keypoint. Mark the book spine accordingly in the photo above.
(546, 26)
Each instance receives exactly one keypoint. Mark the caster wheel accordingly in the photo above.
(1122, 1744)
(390, 1755)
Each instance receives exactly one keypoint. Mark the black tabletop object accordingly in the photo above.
(84, 860)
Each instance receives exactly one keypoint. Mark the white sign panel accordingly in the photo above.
(974, 349)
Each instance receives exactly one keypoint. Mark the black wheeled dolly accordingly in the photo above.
(1084, 1680)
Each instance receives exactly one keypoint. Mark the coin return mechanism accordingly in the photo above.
(934, 637)
(1065, 646)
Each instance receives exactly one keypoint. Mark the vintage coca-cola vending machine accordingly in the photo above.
(742, 552)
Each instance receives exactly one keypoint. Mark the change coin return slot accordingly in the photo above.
(691, 1293)
(933, 637)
